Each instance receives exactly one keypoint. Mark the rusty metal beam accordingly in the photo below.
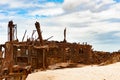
(24, 35)
(49, 38)
(39, 33)
(33, 34)
(65, 35)
(11, 27)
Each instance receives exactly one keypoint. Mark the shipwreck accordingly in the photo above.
(18, 59)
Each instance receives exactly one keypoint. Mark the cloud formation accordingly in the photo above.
(93, 21)
(94, 6)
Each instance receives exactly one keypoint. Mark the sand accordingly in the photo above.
(109, 72)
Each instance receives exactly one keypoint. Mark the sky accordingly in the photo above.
(96, 22)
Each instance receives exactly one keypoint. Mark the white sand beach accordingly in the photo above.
(108, 72)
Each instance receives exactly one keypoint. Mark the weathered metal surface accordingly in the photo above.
(24, 35)
(11, 31)
(37, 25)
(23, 57)
(64, 35)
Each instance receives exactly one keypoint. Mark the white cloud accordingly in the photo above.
(117, 34)
(4, 2)
(97, 21)
(32, 7)
(95, 6)
(85, 20)
(48, 12)
(50, 4)
(16, 4)
(24, 4)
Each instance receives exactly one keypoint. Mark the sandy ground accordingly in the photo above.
(109, 72)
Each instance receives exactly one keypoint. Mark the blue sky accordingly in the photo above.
(94, 21)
